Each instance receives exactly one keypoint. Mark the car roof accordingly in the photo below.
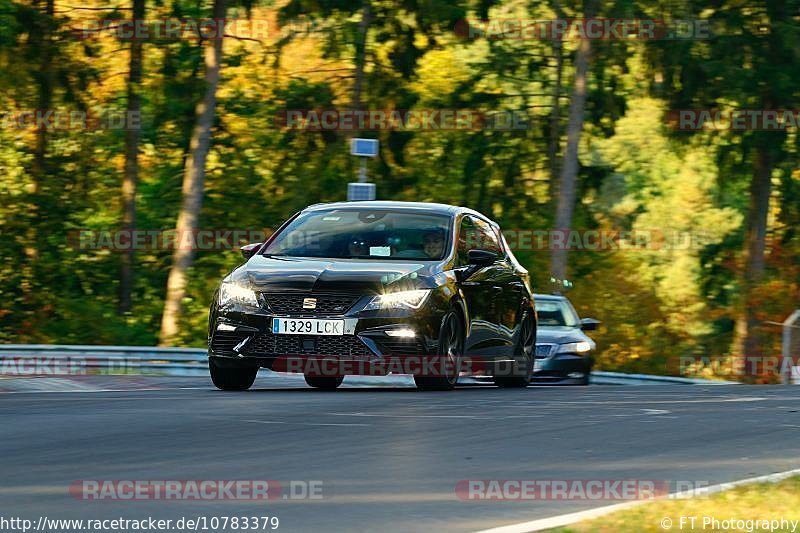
(443, 209)
(538, 296)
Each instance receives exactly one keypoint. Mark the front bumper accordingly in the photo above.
(565, 367)
(244, 336)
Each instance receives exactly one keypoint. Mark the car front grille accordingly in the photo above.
(333, 345)
(325, 303)
(225, 341)
(543, 351)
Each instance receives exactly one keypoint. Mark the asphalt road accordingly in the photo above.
(388, 459)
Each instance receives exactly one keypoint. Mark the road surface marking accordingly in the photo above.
(391, 415)
(301, 423)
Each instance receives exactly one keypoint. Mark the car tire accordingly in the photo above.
(231, 377)
(450, 351)
(324, 382)
(523, 369)
(586, 379)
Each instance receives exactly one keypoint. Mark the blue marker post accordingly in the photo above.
(361, 190)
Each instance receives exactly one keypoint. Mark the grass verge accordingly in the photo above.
(752, 508)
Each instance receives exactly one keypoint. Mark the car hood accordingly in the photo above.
(560, 334)
(312, 274)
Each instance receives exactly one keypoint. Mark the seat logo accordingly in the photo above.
(309, 303)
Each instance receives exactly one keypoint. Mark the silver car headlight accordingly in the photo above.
(232, 293)
(575, 347)
(399, 300)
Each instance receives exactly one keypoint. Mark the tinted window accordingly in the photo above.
(475, 234)
(373, 234)
(487, 238)
(466, 235)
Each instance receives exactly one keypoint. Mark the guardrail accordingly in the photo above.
(618, 378)
(44, 359)
(76, 359)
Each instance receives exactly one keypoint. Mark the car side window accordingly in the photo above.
(487, 238)
(501, 243)
(466, 236)
(475, 234)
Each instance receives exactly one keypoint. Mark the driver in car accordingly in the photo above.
(357, 247)
(433, 244)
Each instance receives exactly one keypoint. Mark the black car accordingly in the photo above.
(564, 353)
(372, 288)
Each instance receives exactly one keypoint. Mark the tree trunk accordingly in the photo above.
(361, 54)
(45, 83)
(360, 60)
(555, 112)
(131, 174)
(747, 340)
(755, 244)
(569, 166)
(193, 186)
(42, 42)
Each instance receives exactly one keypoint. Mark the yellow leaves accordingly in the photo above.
(439, 73)
(421, 40)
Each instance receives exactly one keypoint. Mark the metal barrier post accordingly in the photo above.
(786, 343)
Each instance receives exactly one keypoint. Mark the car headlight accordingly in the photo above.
(398, 300)
(231, 293)
(575, 347)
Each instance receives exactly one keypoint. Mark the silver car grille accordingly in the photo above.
(544, 350)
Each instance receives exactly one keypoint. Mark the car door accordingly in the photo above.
(505, 290)
(482, 290)
(513, 287)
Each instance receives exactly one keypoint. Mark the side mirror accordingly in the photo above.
(589, 324)
(481, 258)
(248, 250)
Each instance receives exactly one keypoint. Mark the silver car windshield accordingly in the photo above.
(556, 313)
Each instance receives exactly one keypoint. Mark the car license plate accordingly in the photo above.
(537, 365)
(307, 326)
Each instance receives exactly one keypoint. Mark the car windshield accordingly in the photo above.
(556, 313)
(356, 233)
